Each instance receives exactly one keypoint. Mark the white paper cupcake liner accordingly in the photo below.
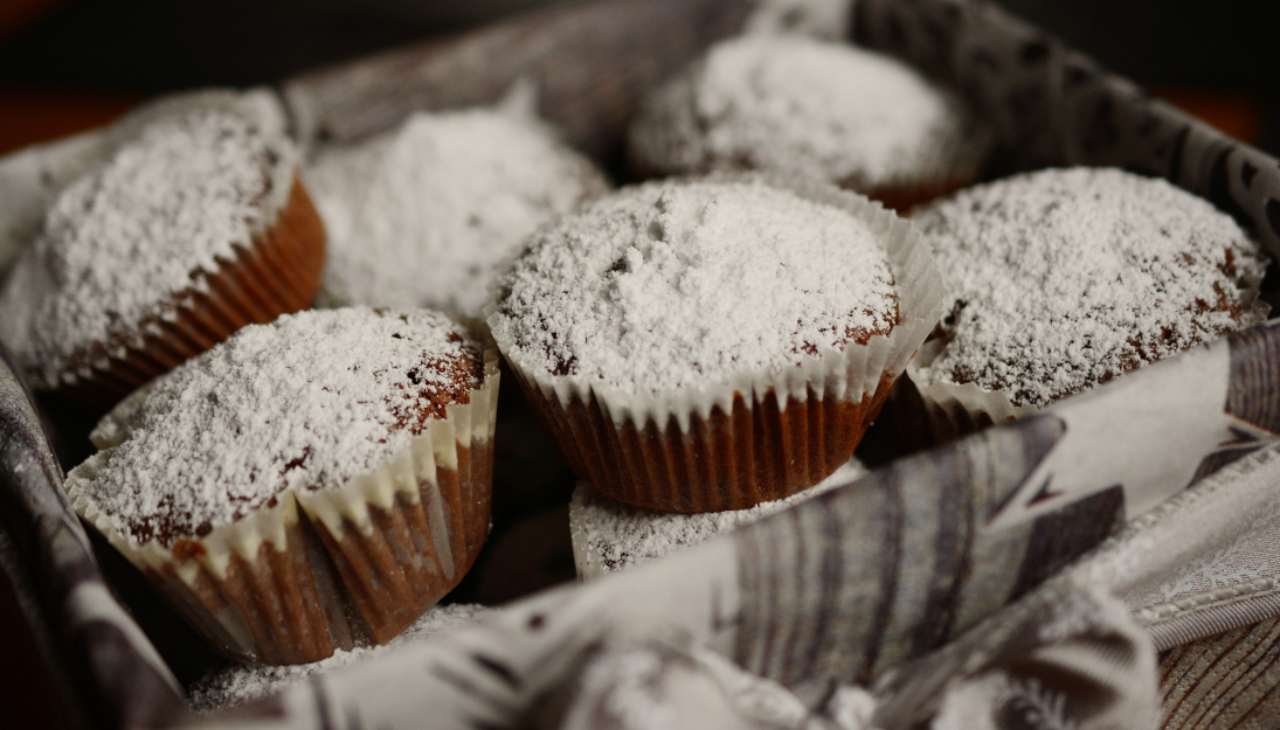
(920, 415)
(923, 412)
(403, 536)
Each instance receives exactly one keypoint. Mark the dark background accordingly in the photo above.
(65, 64)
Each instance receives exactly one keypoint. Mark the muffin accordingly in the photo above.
(609, 537)
(32, 177)
(798, 106)
(699, 346)
(428, 214)
(1061, 280)
(190, 230)
(307, 484)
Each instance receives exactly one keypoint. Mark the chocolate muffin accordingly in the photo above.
(708, 345)
(1063, 279)
(33, 176)
(429, 213)
(193, 228)
(799, 106)
(306, 484)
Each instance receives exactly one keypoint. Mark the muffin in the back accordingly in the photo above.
(193, 228)
(430, 212)
(797, 106)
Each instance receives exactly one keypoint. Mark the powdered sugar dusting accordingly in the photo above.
(426, 215)
(801, 106)
(119, 243)
(237, 685)
(608, 536)
(681, 284)
(32, 177)
(308, 402)
(1065, 278)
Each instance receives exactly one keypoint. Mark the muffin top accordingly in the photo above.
(1063, 279)
(124, 241)
(427, 214)
(33, 177)
(801, 106)
(676, 285)
(307, 402)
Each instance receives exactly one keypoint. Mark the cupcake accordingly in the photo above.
(429, 213)
(798, 106)
(609, 537)
(190, 230)
(32, 177)
(699, 346)
(1061, 280)
(305, 485)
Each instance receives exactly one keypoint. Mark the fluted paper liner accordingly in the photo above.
(405, 535)
(315, 571)
(921, 413)
(754, 437)
(277, 273)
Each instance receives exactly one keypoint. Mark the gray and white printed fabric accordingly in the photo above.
(129, 679)
(1035, 667)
